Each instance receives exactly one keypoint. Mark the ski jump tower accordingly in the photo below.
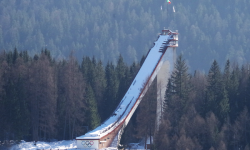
(159, 63)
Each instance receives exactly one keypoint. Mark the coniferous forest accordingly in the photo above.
(206, 111)
(208, 29)
(93, 49)
(43, 99)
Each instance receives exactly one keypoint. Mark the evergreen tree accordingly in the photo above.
(3, 66)
(177, 98)
(15, 56)
(179, 85)
(25, 56)
(98, 83)
(86, 62)
(248, 94)
(111, 91)
(227, 85)
(124, 84)
(122, 72)
(234, 93)
(92, 112)
(214, 89)
(181, 80)
(227, 76)
(168, 95)
(120, 68)
(243, 88)
(224, 105)
(134, 68)
(199, 81)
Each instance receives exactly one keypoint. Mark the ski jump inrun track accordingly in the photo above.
(108, 134)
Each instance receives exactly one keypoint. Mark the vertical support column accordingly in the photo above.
(163, 75)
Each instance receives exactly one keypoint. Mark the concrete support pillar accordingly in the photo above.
(167, 66)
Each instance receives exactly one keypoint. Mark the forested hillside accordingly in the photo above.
(91, 51)
(105, 29)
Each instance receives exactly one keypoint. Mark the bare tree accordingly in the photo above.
(43, 97)
(71, 101)
(147, 113)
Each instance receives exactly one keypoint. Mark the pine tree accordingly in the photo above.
(100, 85)
(177, 94)
(214, 89)
(224, 105)
(199, 81)
(111, 91)
(181, 80)
(234, 93)
(134, 68)
(248, 94)
(168, 95)
(179, 85)
(120, 68)
(3, 67)
(243, 87)
(95, 76)
(15, 56)
(227, 76)
(122, 73)
(92, 112)
(24, 55)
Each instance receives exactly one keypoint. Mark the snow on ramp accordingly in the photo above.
(134, 91)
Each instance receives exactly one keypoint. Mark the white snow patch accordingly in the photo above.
(45, 145)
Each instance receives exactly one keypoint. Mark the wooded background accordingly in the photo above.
(105, 29)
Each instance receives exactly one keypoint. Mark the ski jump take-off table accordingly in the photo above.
(108, 134)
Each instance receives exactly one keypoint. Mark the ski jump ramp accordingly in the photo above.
(108, 134)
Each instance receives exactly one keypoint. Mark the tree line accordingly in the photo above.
(42, 98)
